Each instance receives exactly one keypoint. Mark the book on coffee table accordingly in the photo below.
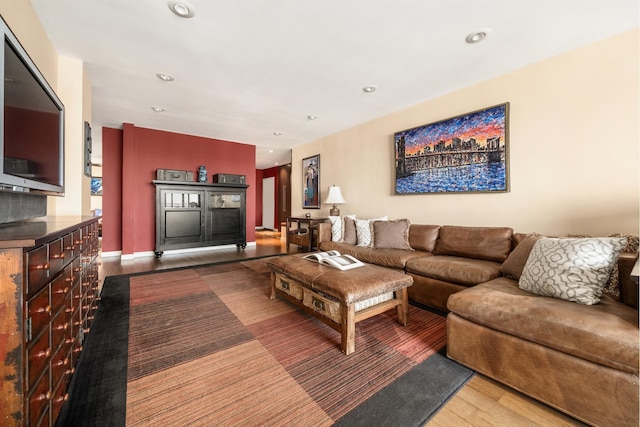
(335, 259)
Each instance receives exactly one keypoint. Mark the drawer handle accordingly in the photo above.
(43, 353)
(70, 248)
(77, 269)
(285, 285)
(317, 304)
(70, 371)
(86, 330)
(62, 398)
(70, 279)
(44, 266)
(62, 362)
(62, 327)
(56, 256)
(41, 310)
(77, 350)
(43, 396)
(68, 341)
(62, 291)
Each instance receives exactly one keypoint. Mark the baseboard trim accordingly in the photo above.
(145, 254)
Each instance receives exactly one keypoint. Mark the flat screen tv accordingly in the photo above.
(31, 125)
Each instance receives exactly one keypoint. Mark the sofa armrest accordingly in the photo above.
(324, 232)
(628, 287)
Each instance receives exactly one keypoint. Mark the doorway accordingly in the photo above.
(268, 203)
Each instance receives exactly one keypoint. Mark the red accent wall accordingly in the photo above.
(112, 193)
(144, 151)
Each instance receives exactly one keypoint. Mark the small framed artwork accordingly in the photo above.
(96, 186)
(463, 154)
(311, 182)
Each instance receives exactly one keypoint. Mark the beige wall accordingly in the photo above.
(574, 150)
(68, 79)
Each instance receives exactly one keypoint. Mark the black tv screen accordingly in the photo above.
(32, 131)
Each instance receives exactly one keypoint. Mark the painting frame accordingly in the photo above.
(468, 153)
(311, 182)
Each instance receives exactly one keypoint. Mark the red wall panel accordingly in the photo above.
(112, 193)
(145, 150)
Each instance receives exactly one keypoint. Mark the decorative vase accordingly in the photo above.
(202, 174)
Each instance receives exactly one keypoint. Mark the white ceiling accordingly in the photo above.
(245, 69)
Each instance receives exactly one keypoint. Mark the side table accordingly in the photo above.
(304, 232)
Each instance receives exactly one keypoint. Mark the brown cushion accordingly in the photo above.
(489, 243)
(514, 264)
(349, 231)
(606, 333)
(391, 234)
(423, 237)
(457, 270)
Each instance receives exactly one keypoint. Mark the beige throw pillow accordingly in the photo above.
(391, 234)
(349, 231)
(363, 230)
(336, 226)
(571, 269)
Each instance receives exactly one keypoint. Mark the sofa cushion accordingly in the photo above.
(489, 243)
(606, 333)
(461, 271)
(516, 260)
(423, 237)
(336, 226)
(391, 234)
(394, 258)
(571, 269)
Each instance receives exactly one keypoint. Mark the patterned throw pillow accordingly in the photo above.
(363, 230)
(571, 269)
(336, 227)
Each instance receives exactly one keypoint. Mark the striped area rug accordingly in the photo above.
(207, 347)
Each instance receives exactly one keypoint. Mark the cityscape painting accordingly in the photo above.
(463, 154)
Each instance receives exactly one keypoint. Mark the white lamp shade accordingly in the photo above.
(335, 196)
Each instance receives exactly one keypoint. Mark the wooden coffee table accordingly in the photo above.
(338, 298)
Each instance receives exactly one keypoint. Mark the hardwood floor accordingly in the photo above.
(481, 402)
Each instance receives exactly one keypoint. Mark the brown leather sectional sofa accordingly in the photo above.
(582, 360)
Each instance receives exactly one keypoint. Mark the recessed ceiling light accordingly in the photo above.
(312, 117)
(271, 151)
(478, 36)
(369, 89)
(277, 133)
(157, 109)
(165, 77)
(181, 8)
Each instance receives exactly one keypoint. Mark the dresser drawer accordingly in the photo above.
(289, 286)
(39, 311)
(39, 402)
(38, 355)
(69, 247)
(60, 330)
(61, 368)
(56, 257)
(60, 289)
(37, 268)
(322, 305)
(59, 397)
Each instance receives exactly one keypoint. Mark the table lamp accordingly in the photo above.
(334, 198)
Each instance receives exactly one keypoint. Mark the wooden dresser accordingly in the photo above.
(48, 296)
